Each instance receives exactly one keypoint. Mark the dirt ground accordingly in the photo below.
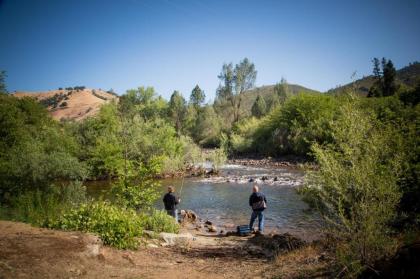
(29, 252)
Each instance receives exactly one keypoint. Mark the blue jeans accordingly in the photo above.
(260, 215)
(173, 213)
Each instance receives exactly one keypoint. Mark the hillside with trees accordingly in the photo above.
(406, 76)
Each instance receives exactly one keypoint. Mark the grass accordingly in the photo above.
(307, 262)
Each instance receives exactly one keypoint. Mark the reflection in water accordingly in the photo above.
(224, 199)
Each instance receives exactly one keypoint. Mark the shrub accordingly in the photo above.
(160, 221)
(356, 188)
(43, 208)
(292, 128)
(115, 226)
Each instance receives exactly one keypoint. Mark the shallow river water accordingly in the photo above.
(223, 199)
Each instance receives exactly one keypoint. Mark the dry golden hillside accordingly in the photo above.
(71, 104)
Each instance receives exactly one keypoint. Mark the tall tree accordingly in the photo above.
(235, 81)
(389, 75)
(259, 107)
(197, 97)
(384, 79)
(177, 110)
(3, 76)
(273, 103)
(281, 89)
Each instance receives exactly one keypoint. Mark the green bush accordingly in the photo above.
(115, 226)
(356, 187)
(242, 137)
(44, 207)
(160, 221)
(292, 128)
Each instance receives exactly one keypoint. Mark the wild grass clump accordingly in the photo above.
(44, 207)
(160, 221)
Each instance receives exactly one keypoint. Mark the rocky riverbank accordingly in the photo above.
(285, 162)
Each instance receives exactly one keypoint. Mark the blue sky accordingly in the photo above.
(174, 45)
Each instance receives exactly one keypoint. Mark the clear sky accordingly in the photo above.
(174, 45)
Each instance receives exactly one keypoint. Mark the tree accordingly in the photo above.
(259, 107)
(389, 74)
(3, 76)
(274, 102)
(197, 97)
(281, 89)
(235, 82)
(385, 80)
(177, 110)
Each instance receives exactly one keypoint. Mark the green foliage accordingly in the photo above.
(197, 97)
(218, 157)
(137, 189)
(242, 137)
(3, 89)
(356, 186)
(385, 79)
(159, 221)
(235, 81)
(43, 208)
(177, 109)
(259, 108)
(292, 128)
(208, 128)
(34, 150)
(115, 226)
(282, 91)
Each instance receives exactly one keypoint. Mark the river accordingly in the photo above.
(223, 199)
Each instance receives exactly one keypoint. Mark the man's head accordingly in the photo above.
(171, 189)
(255, 188)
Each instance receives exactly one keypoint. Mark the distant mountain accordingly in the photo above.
(75, 104)
(408, 76)
(266, 91)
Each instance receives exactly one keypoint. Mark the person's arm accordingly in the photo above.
(250, 200)
(265, 200)
(177, 199)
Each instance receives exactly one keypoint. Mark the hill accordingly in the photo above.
(266, 91)
(408, 76)
(71, 104)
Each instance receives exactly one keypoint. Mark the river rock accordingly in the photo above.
(188, 216)
(208, 222)
(176, 239)
(212, 228)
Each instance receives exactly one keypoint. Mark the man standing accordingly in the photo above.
(258, 203)
(170, 201)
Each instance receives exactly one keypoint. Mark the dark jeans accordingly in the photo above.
(254, 215)
(173, 213)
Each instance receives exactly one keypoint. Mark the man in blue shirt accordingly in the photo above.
(258, 203)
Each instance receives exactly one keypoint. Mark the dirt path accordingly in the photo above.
(29, 252)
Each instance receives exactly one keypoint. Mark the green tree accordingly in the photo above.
(389, 76)
(281, 89)
(259, 107)
(3, 88)
(208, 127)
(235, 81)
(177, 110)
(197, 97)
(384, 79)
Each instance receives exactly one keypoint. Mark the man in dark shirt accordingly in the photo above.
(170, 201)
(258, 203)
